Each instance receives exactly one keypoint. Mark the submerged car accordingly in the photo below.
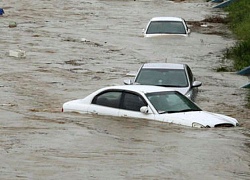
(166, 26)
(177, 76)
(148, 102)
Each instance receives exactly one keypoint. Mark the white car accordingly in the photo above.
(166, 26)
(177, 76)
(148, 102)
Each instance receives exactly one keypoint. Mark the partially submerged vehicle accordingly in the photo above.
(174, 75)
(148, 102)
(159, 26)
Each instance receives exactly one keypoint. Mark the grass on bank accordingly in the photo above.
(239, 23)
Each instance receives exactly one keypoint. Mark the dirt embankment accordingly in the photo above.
(211, 25)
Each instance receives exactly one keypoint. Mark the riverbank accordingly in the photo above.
(239, 23)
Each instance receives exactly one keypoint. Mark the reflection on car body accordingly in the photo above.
(177, 76)
(148, 102)
(166, 26)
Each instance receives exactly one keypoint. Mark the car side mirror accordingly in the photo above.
(128, 82)
(189, 31)
(196, 84)
(144, 109)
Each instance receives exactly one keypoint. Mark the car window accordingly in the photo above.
(133, 102)
(166, 27)
(160, 102)
(162, 77)
(171, 102)
(109, 99)
(177, 102)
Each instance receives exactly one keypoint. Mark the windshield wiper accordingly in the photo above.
(169, 85)
(184, 110)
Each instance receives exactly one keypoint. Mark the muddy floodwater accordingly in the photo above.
(77, 46)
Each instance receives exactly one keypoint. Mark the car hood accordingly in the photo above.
(182, 90)
(204, 118)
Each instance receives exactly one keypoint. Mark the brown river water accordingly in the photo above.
(38, 141)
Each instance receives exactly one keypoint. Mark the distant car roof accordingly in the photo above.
(163, 66)
(139, 88)
(166, 19)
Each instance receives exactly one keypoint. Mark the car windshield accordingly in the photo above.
(162, 77)
(166, 27)
(171, 102)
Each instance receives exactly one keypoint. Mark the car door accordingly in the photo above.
(131, 104)
(106, 103)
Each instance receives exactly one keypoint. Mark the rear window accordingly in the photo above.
(162, 77)
(166, 27)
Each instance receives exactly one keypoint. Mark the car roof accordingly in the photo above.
(163, 66)
(166, 19)
(139, 88)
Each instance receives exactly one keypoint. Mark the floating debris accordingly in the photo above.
(84, 40)
(7, 104)
(204, 25)
(1, 11)
(12, 24)
(17, 53)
